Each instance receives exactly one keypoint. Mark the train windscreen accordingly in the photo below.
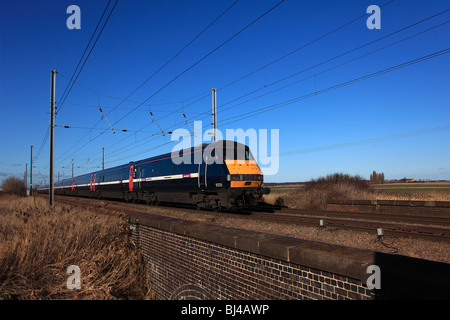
(238, 152)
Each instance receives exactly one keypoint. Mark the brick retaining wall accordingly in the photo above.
(189, 260)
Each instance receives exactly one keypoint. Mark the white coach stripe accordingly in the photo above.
(170, 177)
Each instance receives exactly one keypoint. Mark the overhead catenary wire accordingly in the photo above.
(274, 61)
(164, 65)
(71, 84)
(87, 128)
(41, 146)
(85, 50)
(108, 96)
(176, 55)
(331, 88)
(235, 81)
(335, 57)
(321, 72)
(337, 86)
(368, 141)
(204, 57)
(303, 46)
(355, 49)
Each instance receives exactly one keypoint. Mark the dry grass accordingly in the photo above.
(419, 196)
(37, 244)
(317, 198)
(317, 193)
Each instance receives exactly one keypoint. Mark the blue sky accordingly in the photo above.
(397, 122)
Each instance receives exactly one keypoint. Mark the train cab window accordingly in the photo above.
(238, 154)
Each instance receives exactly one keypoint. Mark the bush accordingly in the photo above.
(338, 179)
(14, 185)
(317, 193)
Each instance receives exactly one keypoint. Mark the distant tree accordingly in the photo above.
(14, 185)
(377, 178)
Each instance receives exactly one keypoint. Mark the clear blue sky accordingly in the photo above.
(397, 123)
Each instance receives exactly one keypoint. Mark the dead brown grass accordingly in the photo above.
(317, 198)
(38, 243)
(316, 194)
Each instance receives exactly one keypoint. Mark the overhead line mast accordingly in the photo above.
(31, 172)
(214, 114)
(52, 137)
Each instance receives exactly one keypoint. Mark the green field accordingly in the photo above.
(281, 188)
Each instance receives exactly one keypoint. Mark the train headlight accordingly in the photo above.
(245, 177)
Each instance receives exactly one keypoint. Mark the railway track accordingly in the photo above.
(426, 227)
(396, 225)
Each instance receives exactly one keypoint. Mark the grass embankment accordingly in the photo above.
(315, 194)
(38, 244)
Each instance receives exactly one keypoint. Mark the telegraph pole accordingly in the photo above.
(52, 137)
(214, 114)
(31, 172)
(26, 175)
(103, 159)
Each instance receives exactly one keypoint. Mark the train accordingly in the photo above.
(216, 176)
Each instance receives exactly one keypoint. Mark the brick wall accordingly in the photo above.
(188, 260)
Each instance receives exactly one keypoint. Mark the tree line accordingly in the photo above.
(377, 178)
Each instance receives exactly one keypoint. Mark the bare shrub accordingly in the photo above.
(318, 192)
(334, 179)
(39, 243)
(13, 185)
